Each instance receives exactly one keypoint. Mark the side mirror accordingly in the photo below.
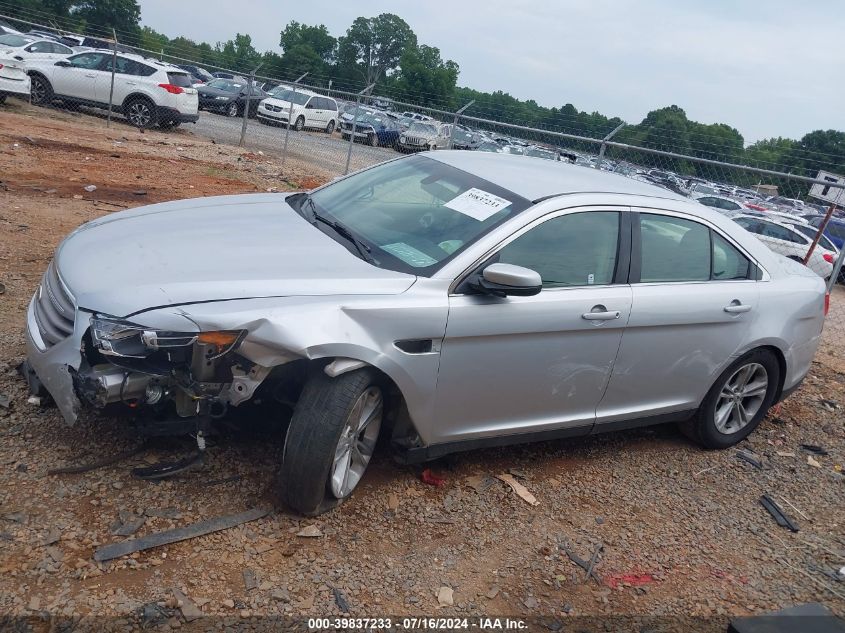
(502, 280)
(63, 63)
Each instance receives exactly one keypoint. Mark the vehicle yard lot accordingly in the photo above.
(682, 529)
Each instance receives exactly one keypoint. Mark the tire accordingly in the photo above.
(330, 127)
(372, 140)
(41, 92)
(299, 125)
(432, 147)
(232, 110)
(311, 480)
(141, 112)
(763, 379)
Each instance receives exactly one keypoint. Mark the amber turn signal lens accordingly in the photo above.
(219, 339)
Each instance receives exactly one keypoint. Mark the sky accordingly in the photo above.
(766, 67)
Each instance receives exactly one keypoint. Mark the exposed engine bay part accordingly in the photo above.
(106, 384)
(244, 383)
(342, 366)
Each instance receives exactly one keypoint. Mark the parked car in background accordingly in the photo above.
(147, 92)
(449, 301)
(422, 136)
(13, 78)
(786, 240)
(726, 206)
(25, 48)
(305, 108)
(373, 128)
(835, 229)
(229, 97)
(198, 75)
(542, 152)
(462, 138)
(230, 76)
(5, 28)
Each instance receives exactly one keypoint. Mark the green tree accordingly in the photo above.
(306, 49)
(239, 54)
(123, 15)
(425, 78)
(374, 46)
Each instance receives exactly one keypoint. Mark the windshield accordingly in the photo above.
(286, 94)
(423, 128)
(10, 39)
(225, 84)
(416, 213)
(704, 189)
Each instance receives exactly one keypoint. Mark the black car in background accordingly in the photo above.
(228, 96)
(198, 75)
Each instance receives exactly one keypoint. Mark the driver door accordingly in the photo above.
(80, 79)
(519, 365)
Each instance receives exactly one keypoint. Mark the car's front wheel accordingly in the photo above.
(299, 124)
(737, 402)
(330, 127)
(330, 440)
(232, 109)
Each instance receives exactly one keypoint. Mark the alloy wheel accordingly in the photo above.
(741, 398)
(38, 91)
(140, 114)
(232, 109)
(357, 442)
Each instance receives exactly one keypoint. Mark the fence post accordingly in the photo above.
(246, 105)
(819, 233)
(354, 127)
(604, 143)
(290, 115)
(455, 123)
(111, 88)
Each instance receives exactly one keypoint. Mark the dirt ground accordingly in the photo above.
(680, 531)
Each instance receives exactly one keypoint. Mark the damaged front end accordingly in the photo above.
(90, 360)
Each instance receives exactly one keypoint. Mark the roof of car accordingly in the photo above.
(535, 178)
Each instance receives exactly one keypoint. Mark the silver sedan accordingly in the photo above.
(447, 300)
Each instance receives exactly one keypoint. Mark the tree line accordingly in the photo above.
(384, 52)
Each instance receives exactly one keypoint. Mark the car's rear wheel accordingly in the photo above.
(232, 109)
(141, 112)
(737, 402)
(330, 127)
(300, 124)
(330, 440)
(41, 92)
(372, 140)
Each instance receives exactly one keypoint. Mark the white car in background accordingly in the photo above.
(146, 91)
(303, 107)
(26, 48)
(13, 78)
(785, 238)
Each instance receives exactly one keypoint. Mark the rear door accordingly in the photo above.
(694, 304)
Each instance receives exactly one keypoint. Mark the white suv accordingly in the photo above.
(309, 109)
(148, 92)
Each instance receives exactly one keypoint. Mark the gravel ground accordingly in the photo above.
(680, 531)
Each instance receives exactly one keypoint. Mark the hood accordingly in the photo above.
(419, 134)
(280, 103)
(211, 249)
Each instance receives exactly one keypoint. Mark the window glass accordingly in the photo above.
(61, 49)
(728, 262)
(10, 39)
(674, 249)
(811, 233)
(330, 104)
(781, 233)
(179, 79)
(40, 47)
(89, 61)
(415, 213)
(578, 249)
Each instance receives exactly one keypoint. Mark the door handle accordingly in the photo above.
(736, 307)
(131, 83)
(600, 313)
(91, 76)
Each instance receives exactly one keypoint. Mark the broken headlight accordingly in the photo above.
(114, 337)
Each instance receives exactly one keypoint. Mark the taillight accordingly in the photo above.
(828, 258)
(756, 207)
(1, 66)
(174, 90)
(826, 303)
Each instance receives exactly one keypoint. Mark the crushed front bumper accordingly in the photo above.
(53, 365)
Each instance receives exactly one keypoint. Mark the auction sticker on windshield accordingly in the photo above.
(477, 204)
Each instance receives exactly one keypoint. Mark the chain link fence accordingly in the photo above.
(306, 121)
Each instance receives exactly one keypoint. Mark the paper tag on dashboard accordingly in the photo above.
(477, 204)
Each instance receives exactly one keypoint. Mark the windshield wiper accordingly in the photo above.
(340, 229)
